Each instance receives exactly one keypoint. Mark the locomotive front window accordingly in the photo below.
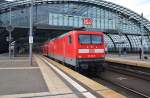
(84, 39)
(96, 39)
(90, 39)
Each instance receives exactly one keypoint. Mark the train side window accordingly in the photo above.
(69, 39)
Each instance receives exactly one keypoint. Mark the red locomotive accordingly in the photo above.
(81, 49)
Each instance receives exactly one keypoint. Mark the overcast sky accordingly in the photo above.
(137, 6)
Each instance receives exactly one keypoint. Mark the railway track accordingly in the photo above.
(127, 88)
(135, 71)
(129, 93)
(134, 81)
(116, 78)
(135, 90)
(131, 72)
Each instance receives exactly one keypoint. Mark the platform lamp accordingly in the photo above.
(129, 24)
(10, 28)
(142, 31)
(30, 34)
(119, 32)
(10, 34)
(110, 19)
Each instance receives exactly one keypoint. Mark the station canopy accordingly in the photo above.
(117, 22)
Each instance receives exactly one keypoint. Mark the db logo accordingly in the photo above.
(87, 21)
(91, 50)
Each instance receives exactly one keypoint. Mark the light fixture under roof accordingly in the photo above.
(9, 0)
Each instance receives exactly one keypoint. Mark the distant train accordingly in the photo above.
(80, 49)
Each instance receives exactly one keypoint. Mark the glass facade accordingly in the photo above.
(109, 42)
(72, 14)
(120, 41)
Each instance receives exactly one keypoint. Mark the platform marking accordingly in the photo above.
(121, 78)
(88, 95)
(71, 81)
(19, 68)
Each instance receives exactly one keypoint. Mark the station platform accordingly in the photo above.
(47, 79)
(129, 59)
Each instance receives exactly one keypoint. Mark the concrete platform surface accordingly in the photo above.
(47, 79)
(18, 81)
(18, 77)
(130, 59)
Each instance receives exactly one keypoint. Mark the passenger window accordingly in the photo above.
(69, 40)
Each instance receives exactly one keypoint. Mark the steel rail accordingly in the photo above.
(129, 89)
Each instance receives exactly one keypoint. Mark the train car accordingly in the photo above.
(44, 48)
(81, 49)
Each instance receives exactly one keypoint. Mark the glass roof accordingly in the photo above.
(2, 1)
(121, 10)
